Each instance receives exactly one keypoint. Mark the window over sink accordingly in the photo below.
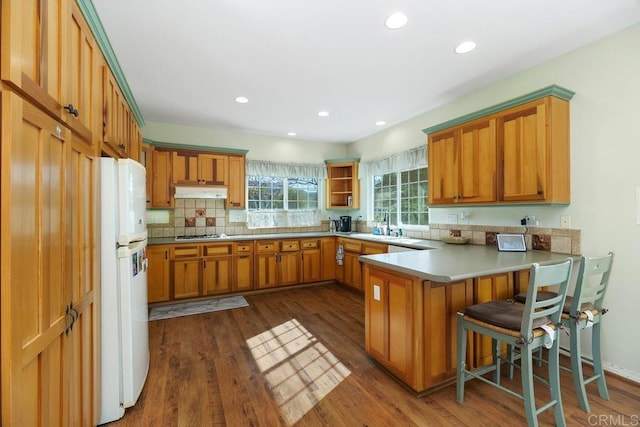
(403, 195)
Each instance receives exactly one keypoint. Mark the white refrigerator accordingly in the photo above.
(124, 312)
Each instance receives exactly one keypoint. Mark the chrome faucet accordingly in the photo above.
(386, 219)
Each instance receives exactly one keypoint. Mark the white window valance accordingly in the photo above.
(282, 218)
(410, 159)
(286, 170)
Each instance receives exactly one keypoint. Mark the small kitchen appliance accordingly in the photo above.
(345, 224)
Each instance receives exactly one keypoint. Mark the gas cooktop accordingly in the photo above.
(199, 236)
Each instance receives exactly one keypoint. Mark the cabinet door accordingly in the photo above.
(328, 246)
(81, 230)
(243, 272)
(525, 154)
(115, 107)
(311, 265)
(443, 301)
(266, 270)
(35, 279)
(213, 169)
(352, 270)
(33, 38)
(80, 74)
(400, 314)
(146, 158)
(161, 196)
(237, 183)
(443, 168)
(477, 179)
(290, 268)
(184, 167)
(158, 274)
(186, 278)
(216, 275)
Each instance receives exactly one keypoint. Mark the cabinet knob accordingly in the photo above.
(70, 108)
(122, 146)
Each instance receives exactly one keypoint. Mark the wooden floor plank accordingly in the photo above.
(296, 357)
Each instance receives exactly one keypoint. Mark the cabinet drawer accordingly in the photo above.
(289, 245)
(219, 249)
(351, 246)
(242, 248)
(184, 251)
(266, 247)
(373, 248)
(309, 244)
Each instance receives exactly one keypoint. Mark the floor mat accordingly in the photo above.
(196, 307)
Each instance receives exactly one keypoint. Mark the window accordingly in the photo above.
(403, 195)
(276, 193)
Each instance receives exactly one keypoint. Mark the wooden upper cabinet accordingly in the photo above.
(237, 182)
(515, 155)
(343, 185)
(463, 164)
(116, 116)
(33, 44)
(535, 147)
(49, 53)
(213, 169)
(80, 75)
(160, 176)
(443, 168)
(193, 168)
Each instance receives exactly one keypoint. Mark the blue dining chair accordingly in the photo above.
(527, 327)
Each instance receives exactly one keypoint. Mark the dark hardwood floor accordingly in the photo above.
(297, 357)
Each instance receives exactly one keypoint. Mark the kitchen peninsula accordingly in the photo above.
(411, 301)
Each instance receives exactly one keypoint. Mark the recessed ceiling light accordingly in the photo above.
(465, 47)
(381, 123)
(291, 134)
(396, 20)
(241, 100)
(323, 113)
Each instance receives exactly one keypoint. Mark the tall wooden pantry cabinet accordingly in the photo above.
(51, 138)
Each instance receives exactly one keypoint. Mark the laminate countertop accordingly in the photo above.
(452, 263)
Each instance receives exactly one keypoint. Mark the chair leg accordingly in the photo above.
(526, 372)
(554, 383)
(576, 367)
(495, 357)
(597, 361)
(462, 355)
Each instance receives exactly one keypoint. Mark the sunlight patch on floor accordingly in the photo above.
(298, 368)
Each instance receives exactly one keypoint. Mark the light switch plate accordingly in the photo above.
(376, 292)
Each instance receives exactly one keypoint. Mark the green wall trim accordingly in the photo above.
(174, 146)
(93, 20)
(553, 90)
(345, 160)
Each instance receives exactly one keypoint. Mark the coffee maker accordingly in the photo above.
(345, 224)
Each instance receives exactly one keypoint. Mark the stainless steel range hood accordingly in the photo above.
(200, 192)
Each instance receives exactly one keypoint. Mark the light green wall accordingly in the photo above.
(605, 167)
(261, 147)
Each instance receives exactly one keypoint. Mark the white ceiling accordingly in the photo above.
(186, 61)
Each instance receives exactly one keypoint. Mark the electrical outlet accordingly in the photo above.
(565, 221)
(452, 218)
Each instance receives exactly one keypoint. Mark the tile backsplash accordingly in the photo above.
(208, 216)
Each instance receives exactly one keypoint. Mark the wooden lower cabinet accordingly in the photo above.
(266, 270)
(411, 325)
(49, 253)
(290, 268)
(216, 275)
(311, 261)
(158, 274)
(242, 272)
(185, 274)
(328, 249)
(390, 304)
